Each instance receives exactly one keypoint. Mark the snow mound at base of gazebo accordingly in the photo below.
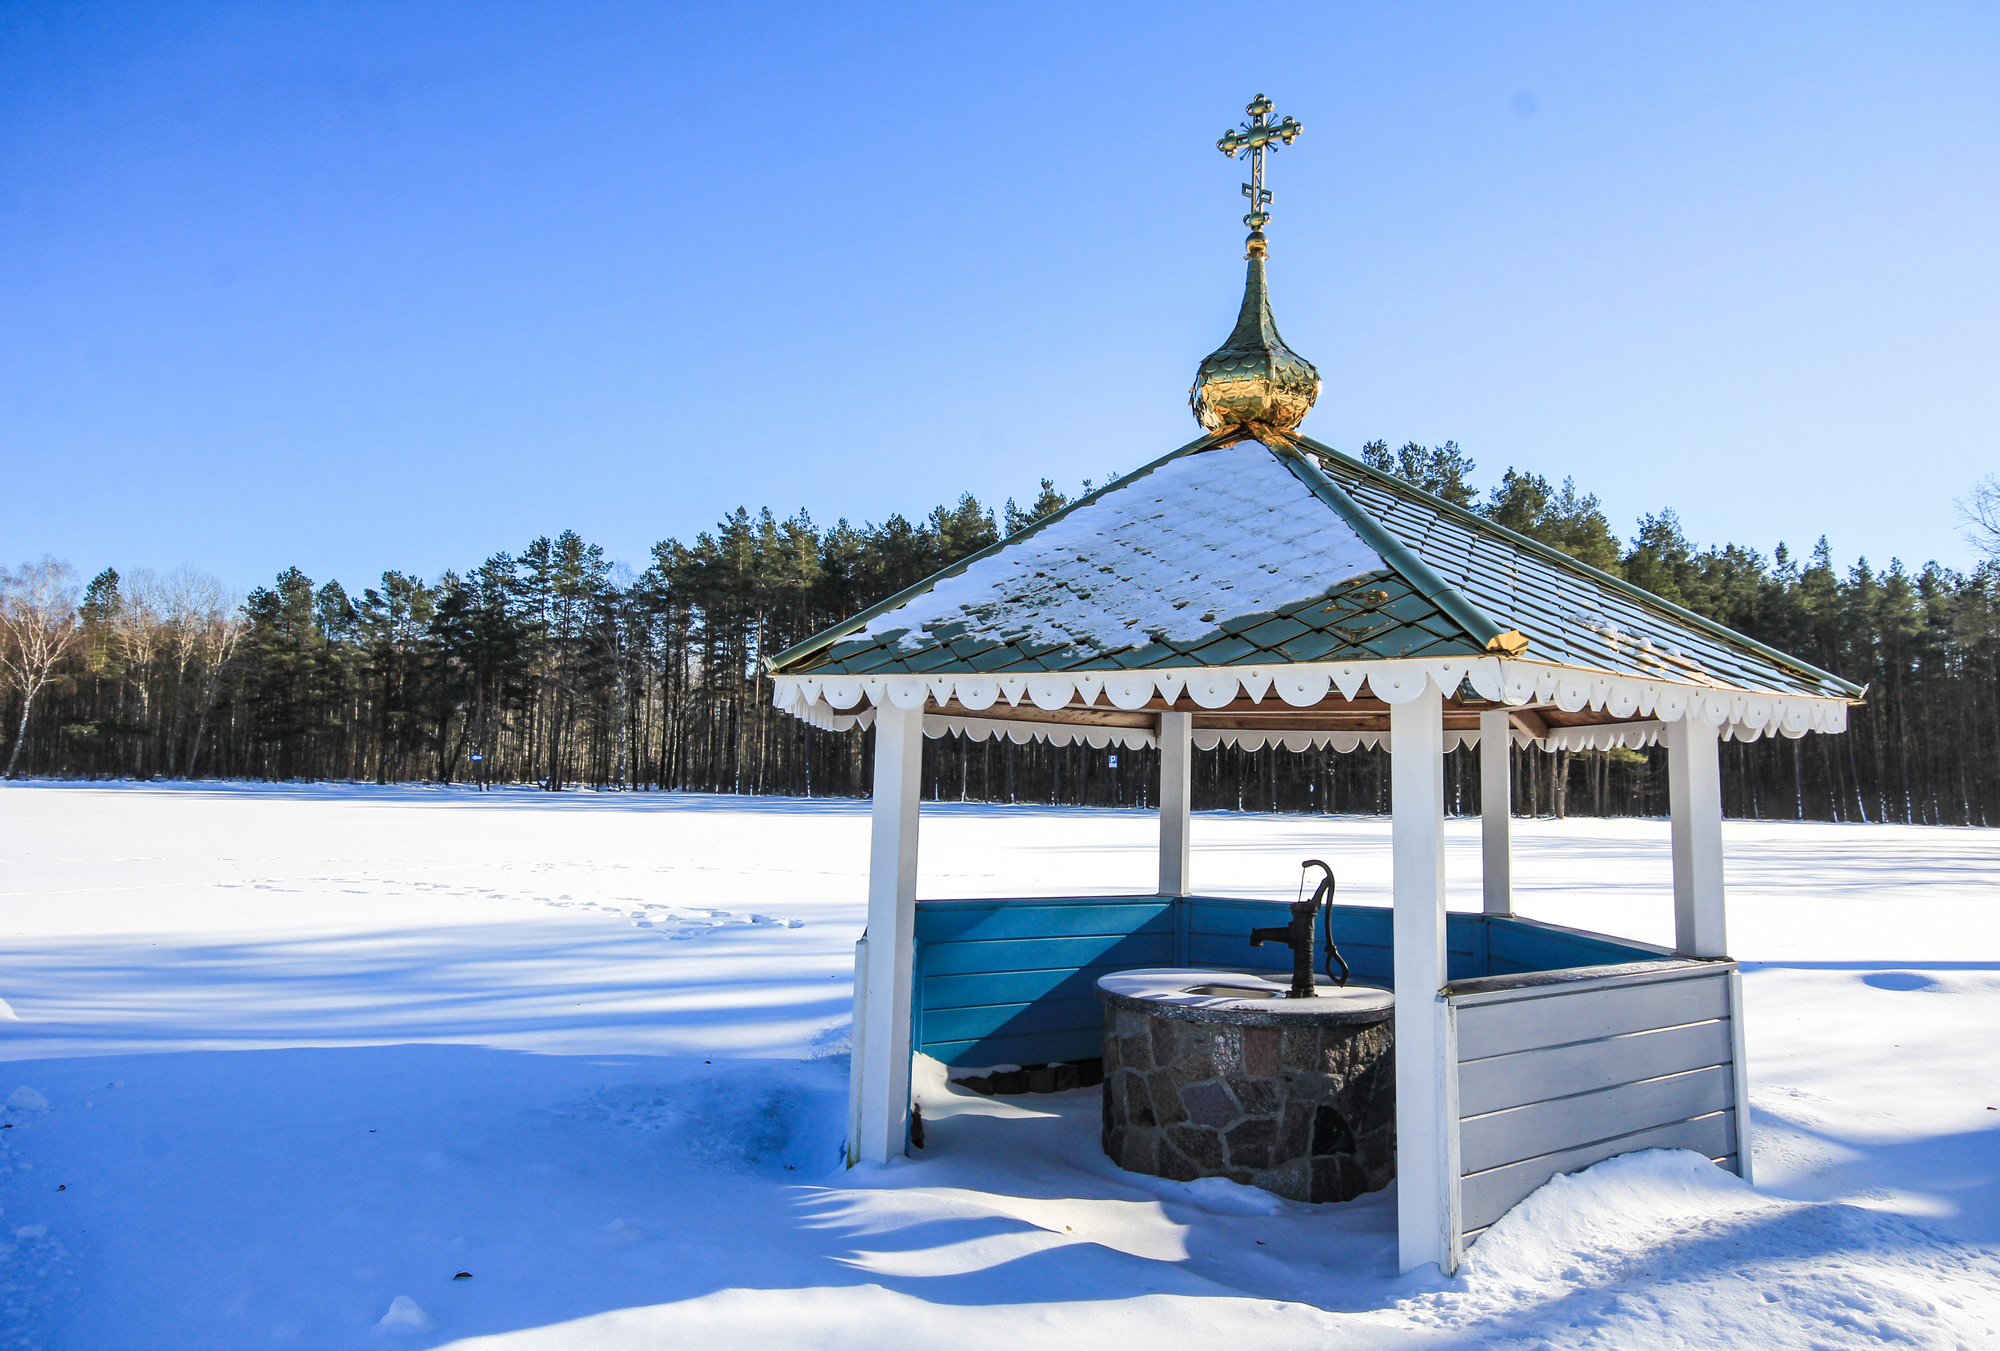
(1662, 1249)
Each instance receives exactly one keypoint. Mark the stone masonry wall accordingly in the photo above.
(1307, 1113)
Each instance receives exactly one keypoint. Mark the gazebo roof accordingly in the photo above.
(1258, 556)
(1256, 562)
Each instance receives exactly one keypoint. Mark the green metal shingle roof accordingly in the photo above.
(1251, 555)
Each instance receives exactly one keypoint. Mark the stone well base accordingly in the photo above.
(1308, 1113)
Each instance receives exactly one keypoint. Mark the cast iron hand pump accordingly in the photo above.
(1298, 936)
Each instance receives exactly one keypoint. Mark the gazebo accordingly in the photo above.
(1255, 587)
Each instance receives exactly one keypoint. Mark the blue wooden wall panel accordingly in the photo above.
(1038, 1048)
(1013, 981)
(1471, 934)
(1016, 987)
(955, 921)
(1522, 945)
(1044, 954)
(1465, 948)
(1043, 1015)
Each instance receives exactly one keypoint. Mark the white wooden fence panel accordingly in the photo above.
(1485, 1197)
(1547, 1016)
(1565, 1123)
(1499, 1082)
(1555, 1076)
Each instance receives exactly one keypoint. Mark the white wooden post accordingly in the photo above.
(857, 1058)
(1694, 795)
(1426, 1125)
(1739, 1073)
(1496, 788)
(1176, 784)
(882, 1007)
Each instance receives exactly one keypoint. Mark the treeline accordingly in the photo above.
(558, 668)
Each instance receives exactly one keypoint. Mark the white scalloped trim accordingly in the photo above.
(836, 702)
(830, 719)
(1021, 733)
(1605, 736)
(1209, 738)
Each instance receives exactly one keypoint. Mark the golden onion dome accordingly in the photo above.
(1253, 381)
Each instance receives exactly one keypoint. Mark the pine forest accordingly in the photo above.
(557, 668)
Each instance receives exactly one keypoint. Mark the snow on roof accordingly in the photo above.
(1572, 615)
(1183, 546)
(1246, 555)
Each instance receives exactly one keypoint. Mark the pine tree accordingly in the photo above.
(555, 668)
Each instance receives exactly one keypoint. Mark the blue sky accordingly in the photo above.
(367, 286)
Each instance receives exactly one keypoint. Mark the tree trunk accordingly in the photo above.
(20, 734)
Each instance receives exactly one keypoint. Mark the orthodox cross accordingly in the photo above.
(1256, 136)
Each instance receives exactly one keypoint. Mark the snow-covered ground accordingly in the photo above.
(286, 1060)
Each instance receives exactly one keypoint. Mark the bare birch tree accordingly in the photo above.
(136, 627)
(182, 598)
(1979, 512)
(216, 637)
(38, 626)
